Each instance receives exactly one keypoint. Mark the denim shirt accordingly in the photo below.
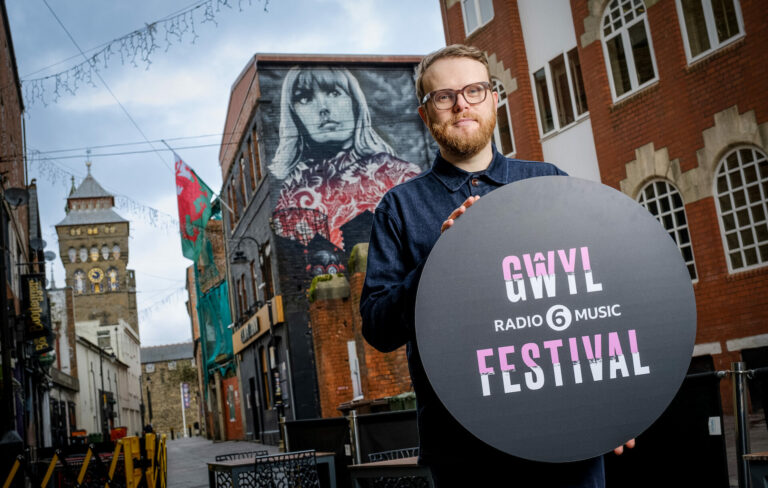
(405, 227)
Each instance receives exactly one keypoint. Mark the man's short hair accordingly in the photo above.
(452, 51)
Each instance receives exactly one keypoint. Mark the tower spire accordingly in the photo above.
(88, 161)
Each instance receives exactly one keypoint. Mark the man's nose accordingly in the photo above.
(325, 113)
(461, 103)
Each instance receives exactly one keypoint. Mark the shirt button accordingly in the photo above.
(475, 182)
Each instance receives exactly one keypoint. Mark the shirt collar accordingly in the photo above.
(453, 178)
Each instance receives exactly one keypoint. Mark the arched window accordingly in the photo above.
(502, 134)
(663, 201)
(627, 47)
(72, 253)
(741, 194)
(115, 252)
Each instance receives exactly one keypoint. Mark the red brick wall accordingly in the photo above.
(673, 113)
(331, 323)
(384, 374)
(334, 323)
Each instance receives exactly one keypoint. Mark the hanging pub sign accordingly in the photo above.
(556, 319)
(37, 312)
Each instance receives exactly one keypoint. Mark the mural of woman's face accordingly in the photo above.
(326, 112)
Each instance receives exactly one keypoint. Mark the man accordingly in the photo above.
(459, 108)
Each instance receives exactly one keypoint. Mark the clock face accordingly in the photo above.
(96, 275)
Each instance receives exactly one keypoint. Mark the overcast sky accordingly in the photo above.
(182, 94)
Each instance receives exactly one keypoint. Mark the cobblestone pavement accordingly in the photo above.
(187, 458)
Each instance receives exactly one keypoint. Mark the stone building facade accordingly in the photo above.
(170, 406)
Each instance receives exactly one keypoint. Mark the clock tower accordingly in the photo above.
(93, 245)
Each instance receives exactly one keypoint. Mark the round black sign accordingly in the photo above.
(556, 319)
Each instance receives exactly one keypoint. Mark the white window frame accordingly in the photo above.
(171, 365)
(709, 19)
(476, 8)
(498, 87)
(764, 194)
(675, 229)
(623, 32)
(149, 367)
(551, 96)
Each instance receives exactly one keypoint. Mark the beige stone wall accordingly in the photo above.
(163, 384)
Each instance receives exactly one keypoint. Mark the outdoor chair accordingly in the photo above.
(292, 469)
(393, 454)
(241, 455)
(399, 482)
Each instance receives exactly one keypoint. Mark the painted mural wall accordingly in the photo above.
(335, 139)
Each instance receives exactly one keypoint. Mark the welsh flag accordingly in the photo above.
(194, 199)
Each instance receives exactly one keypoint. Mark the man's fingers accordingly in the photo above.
(620, 450)
(458, 212)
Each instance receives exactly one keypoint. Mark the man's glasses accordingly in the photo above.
(473, 93)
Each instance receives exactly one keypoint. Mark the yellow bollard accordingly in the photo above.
(149, 447)
(49, 473)
(113, 464)
(132, 453)
(84, 467)
(12, 474)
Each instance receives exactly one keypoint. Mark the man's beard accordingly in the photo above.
(460, 144)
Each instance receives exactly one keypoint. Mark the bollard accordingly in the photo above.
(14, 469)
(742, 425)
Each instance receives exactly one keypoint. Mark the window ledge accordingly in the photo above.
(636, 95)
(750, 272)
(714, 54)
(555, 133)
(478, 29)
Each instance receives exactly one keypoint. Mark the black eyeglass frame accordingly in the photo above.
(456, 93)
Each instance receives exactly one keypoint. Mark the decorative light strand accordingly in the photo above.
(135, 48)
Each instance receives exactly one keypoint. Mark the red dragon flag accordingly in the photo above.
(194, 199)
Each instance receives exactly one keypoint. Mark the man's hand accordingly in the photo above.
(458, 212)
(629, 444)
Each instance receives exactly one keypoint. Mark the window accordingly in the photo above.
(265, 378)
(560, 96)
(242, 181)
(502, 134)
(663, 201)
(627, 47)
(476, 14)
(266, 272)
(171, 365)
(253, 282)
(150, 368)
(708, 25)
(741, 194)
(249, 151)
(104, 339)
(256, 160)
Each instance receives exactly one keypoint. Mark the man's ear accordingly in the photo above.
(423, 115)
(495, 99)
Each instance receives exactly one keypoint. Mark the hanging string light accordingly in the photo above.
(135, 48)
(48, 170)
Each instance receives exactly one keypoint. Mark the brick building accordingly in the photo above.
(170, 406)
(665, 101)
(311, 144)
(352, 373)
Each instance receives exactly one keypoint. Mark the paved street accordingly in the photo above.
(187, 458)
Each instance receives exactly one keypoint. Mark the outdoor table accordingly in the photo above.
(391, 468)
(247, 467)
(758, 468)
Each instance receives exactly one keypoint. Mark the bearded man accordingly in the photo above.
(459, 108)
